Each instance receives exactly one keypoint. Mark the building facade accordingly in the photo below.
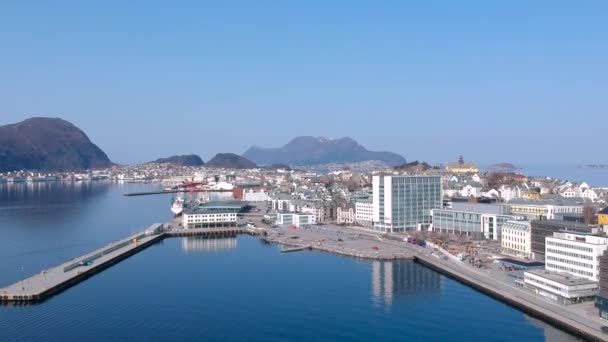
(217, 216)
(540, 210)
(345, 215)
(601, 300)
(404, 203)
(560, 287)
(473, 224)
(541, 229)
(296, 219)
(517, 239)
(364, 213)
(577, 254)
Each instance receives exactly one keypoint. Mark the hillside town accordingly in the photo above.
(546, 233)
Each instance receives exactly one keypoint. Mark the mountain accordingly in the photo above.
(48, 144)
(303, 151)
(230, 161)
(414, 167)
(184, 160)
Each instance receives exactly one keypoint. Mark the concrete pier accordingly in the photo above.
(56, 279)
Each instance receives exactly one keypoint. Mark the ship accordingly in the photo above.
(177, 206)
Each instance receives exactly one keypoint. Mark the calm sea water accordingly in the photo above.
(223, 289)
(574, 173)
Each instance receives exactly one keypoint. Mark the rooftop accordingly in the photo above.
(562, 278)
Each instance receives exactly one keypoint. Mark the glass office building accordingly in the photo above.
(404, 203)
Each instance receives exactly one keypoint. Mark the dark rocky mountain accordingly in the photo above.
(230, 161)
(184, 160)
(277, 167)
(414, 167)
(303, 151)
(48, 144)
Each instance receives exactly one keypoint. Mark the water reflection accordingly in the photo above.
(200, 244)
(391, 279)
(552, 334)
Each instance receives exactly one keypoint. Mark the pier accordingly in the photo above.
(173, 191)
(56, 279)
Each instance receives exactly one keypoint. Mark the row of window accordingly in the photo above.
(569, 261)
(569, 246)
(570, 254)
(569, 269)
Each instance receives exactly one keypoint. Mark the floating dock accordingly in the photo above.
(173, 191)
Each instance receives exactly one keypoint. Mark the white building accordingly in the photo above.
(211, 216)
(296, 219)
(517, 239)
(560, 287)
(575, 253)
(364, 213)
(281, 202)
(345, 215)
(251, 195)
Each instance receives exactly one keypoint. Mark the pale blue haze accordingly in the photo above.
(520, 81)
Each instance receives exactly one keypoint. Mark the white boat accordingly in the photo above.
(178, 206)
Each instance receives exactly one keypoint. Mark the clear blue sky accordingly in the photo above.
(520, 81)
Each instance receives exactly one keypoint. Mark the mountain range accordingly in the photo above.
(307, 150)
(53, 144)
(49, 144)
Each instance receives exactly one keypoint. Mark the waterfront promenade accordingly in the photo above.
(570, 318)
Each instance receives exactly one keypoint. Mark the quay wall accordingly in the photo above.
(525, 306)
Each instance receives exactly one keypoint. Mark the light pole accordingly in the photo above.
(22, 276)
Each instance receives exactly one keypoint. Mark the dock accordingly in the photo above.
(173, 191)
(51, 281)
(56, 279)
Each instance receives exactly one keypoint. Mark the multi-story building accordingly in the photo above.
(560, 287)
(544, 209)
(541, 229)
(601, 300)
(211, 215)
(577, 254)
(517, 239)
(296, 219)
(281, 202)
(479, 221)
(404, 203)
(602, 216)
(345, 215)
(364, 213)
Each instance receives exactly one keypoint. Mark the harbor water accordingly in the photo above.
(231, 289)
